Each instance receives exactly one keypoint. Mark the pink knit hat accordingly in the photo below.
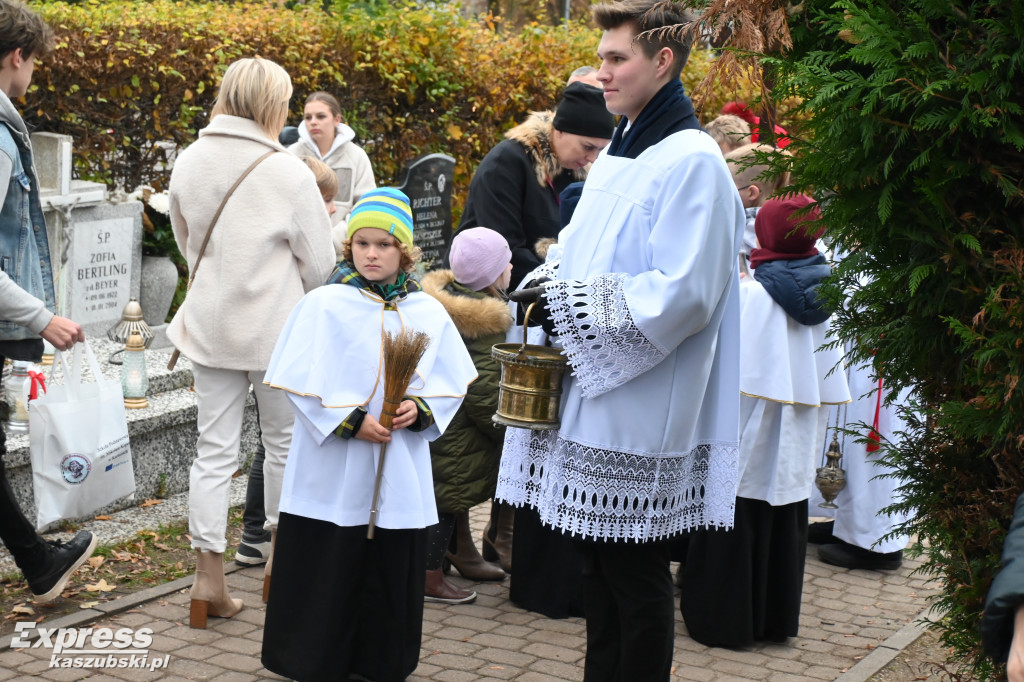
(478, 257)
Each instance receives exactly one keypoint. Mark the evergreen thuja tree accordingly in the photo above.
(913, 131)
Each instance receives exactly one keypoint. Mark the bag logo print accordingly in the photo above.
(75, 468)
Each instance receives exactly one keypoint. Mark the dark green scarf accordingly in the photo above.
(346, 274)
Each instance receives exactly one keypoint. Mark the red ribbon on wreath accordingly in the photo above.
(875, 438)
(38, 381)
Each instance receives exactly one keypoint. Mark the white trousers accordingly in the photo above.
(220, 399)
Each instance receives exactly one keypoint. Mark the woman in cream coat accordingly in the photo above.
(271, 245)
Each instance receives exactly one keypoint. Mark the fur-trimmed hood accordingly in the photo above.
(535, 135)
(474, 317)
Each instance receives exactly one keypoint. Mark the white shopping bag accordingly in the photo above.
(78, 440)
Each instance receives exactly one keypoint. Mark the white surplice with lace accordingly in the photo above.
(646, 306)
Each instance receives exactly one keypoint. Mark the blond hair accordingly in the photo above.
(729, 130)
(257, 89)
(326, 178)
(748, 169)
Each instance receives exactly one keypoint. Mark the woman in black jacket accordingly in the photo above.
(515, 192)
(515, 188)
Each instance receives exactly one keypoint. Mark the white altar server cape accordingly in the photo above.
(869, 488)
(328, 358)
(788, 379)
(646, 306)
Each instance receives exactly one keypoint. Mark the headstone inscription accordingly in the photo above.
(95, 245)
(427, 181)
(101, 272)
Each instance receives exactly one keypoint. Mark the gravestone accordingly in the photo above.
(427, 182)
(95, 245)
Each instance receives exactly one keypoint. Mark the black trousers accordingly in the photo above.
(16, 532)
(630, 610)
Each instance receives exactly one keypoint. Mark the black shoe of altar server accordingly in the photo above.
(850, 556)
(820, 533)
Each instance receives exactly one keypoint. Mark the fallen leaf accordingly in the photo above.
(23, 608)
(96, 561)
(151, 503)
(100, 586)
(103, 517)
(88, 604)
(160, 545)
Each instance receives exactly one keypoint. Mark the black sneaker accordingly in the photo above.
(820, 533)
(252, 553)
(850, 556)
(64, 559)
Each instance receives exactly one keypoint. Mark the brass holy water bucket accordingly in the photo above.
(530, 387)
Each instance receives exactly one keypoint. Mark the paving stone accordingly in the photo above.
(455, 676)
(196, 652)
(453, 662)
(195, 670)
(740, 670)
(690, 672)
(551, 652)
(233, 661)
(233, 676)
(846, 616)
(505, 657)
(556, 669)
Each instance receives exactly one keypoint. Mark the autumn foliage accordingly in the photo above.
(132, 81)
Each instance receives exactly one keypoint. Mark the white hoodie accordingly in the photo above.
(352, 166)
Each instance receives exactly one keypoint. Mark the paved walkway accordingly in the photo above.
(852, 624)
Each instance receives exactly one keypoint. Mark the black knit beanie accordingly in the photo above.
(582, 112)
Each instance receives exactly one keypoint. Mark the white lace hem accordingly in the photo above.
(597, 332)
(610, 495)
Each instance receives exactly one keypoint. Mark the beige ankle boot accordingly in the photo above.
(269, 566)
(466, 558)
(209, 591)
(499, 548)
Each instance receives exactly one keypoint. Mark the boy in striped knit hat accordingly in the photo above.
(365, 596)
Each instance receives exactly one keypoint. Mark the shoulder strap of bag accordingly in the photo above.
(209, 231)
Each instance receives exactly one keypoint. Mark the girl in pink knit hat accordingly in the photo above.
(465, 459)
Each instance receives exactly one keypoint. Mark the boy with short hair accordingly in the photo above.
(645, 303)
(755, 188)
(326, 181)
(729, 131)
(26, 289)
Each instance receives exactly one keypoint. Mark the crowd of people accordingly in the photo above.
(663, 259)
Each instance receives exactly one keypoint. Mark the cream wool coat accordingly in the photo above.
(270, 246)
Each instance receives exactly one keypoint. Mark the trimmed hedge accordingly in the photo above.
(127, 76)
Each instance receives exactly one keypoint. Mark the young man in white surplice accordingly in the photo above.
(645, 303)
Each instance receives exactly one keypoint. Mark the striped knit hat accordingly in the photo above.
(385, 208)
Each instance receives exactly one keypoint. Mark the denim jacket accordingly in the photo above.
(24, 249)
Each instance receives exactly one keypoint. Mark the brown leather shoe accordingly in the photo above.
(466, 558)
(438, 589)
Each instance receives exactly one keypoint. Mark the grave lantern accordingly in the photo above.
(131, 321)
(134, 380)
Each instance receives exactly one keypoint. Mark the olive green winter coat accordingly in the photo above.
(465, 459)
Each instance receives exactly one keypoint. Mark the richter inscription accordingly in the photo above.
(427, 181)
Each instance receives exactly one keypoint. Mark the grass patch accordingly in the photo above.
(152, 557)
